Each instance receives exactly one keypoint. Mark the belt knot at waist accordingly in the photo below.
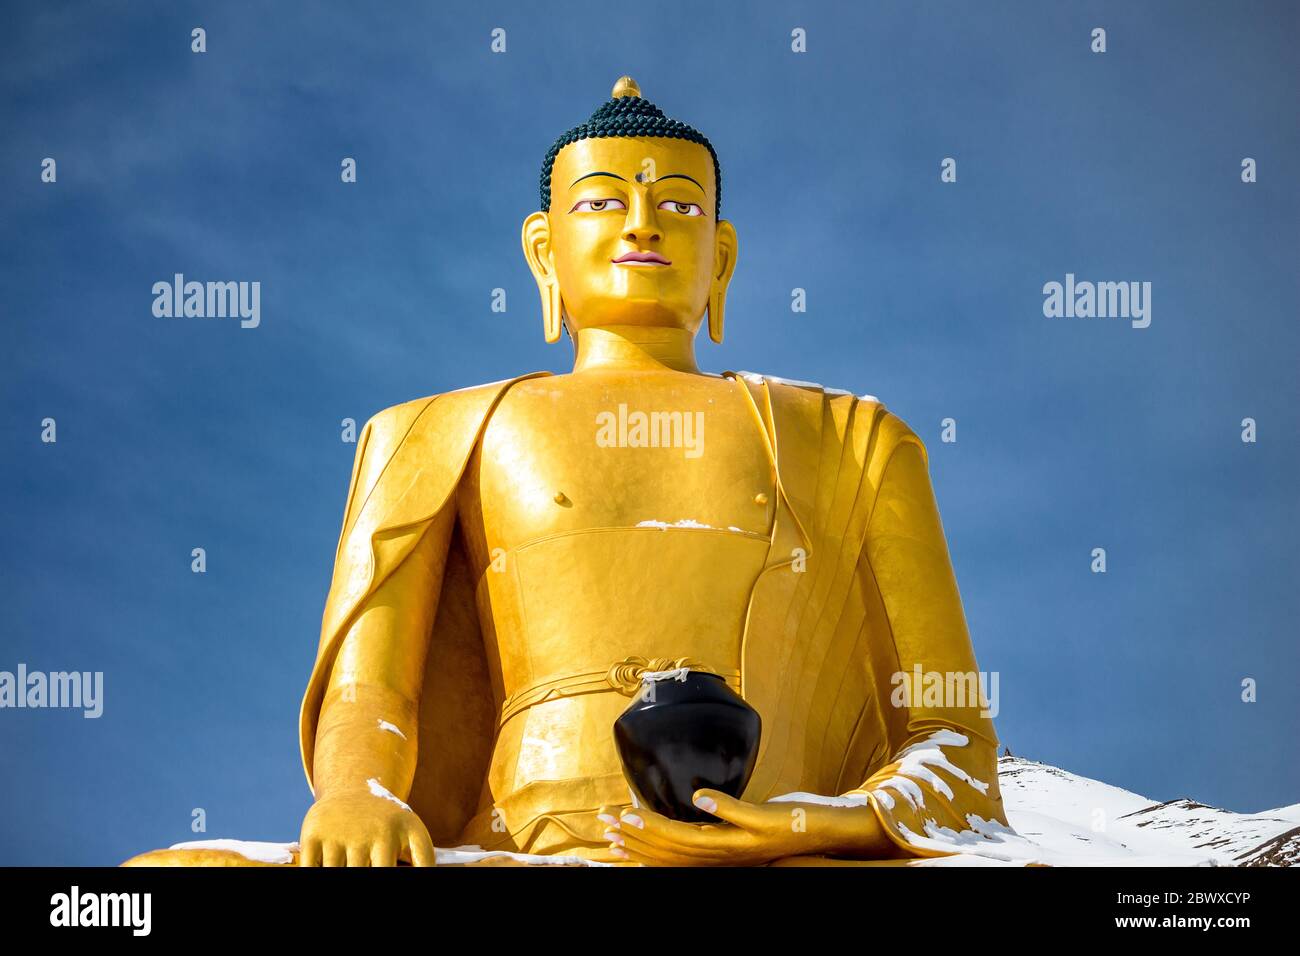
(625, 677)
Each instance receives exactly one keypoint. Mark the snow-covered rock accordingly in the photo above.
(1062, 819)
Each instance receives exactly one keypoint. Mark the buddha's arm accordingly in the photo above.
(366, 741)
(942, 764)
(368, 718)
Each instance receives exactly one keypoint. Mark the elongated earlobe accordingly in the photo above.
(717, 302)
(537, 253)
(552, 312)
(724, 267)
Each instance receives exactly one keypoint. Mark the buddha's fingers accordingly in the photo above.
(358, 855)
(419, 848)
(383, 853)
(311, 853)
(651, 845)
(648, 856)
(652, 825)
(335, 854)
(752, 816)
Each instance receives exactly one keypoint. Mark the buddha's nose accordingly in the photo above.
(641, 225)
(643, 232)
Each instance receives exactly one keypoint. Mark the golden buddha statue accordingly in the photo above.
(515, 556)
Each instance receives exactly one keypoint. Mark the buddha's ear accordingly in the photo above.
(537, 252)
(724, 266)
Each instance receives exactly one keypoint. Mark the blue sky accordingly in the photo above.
(1072, 434)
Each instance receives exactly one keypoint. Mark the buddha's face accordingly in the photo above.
(632, 236)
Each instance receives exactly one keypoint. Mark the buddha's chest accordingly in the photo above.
(567, 457)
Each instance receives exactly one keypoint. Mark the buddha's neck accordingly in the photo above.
(634, 348)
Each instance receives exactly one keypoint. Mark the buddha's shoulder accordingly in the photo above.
(777, 382)
(391, 425)
(864, 416)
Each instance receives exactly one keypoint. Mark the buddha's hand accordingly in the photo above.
(753, 833)
(358, 828)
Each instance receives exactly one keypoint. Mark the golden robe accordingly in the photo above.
(857, 589)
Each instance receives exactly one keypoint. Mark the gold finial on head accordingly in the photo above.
(626, 86)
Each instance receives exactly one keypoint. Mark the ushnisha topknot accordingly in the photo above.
(628, 113)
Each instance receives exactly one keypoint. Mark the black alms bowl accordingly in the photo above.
(683, 736)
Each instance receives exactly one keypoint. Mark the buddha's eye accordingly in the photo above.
(682, 208)
(598, 205)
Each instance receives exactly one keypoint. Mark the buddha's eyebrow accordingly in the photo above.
(589, 175)
(681, 176)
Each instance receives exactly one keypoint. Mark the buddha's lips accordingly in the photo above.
(642, 258)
